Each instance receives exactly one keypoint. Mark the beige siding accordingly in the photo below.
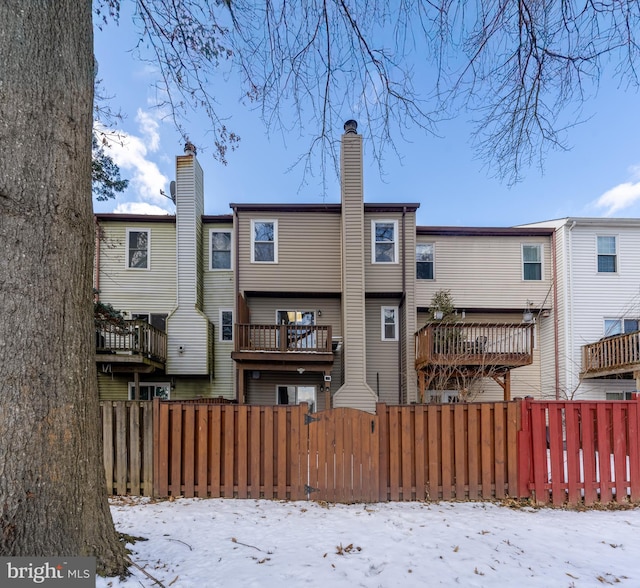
(130, 290)
(484, 272)
(218, 287)
(263, 390)
(113, 387)
(383, 277)
(383, 357)
(308, 253)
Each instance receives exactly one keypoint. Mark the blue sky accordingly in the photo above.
(599, 176)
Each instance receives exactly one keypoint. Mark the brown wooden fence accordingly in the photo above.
(547, 451)
(127, 435)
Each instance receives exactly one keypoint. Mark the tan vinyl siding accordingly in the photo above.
(113, 386)
(484, 271)
(308, 253)
(382, 356)
(383, 277)
(152, 290)
(263, 310)
(218, 286)
(263, 390)
(186, 388)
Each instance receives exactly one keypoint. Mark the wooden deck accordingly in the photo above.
(612, 356)
(136, 346)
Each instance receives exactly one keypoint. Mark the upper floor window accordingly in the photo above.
(384, 241)
(607, 255)
(424, 261)
(532, 262)
(138, 248)
(264, 241)
(389, 315)
(226, 325)
(618, 326)
(220, 249)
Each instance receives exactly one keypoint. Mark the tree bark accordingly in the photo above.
(52, 485)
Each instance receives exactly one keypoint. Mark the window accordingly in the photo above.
(297, 395)
(607, 255)
(384, 242)
(389, 323)
(220, 249)
(264, 241)
(226, 325)
(532, 262)
(138, 249)
(618, 326)
(619, 395)
(424, 261)
(159, 321)
(150, 390)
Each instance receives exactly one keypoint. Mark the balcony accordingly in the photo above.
(612, 356)
(129, 347)
(453, 354)
(265, 346)
(474, 344)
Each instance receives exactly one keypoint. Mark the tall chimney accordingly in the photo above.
(355, 392)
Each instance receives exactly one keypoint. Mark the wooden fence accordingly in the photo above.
(547, 451)
(579, 452)
(127, 436)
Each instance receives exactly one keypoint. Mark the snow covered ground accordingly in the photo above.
(259, 543)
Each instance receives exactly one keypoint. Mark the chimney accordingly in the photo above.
(188, 328)
(355, 392)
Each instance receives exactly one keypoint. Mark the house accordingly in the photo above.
(598, 302)
(332, 304)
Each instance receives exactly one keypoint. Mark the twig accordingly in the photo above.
(155, 580)
(254, 547)
(179, 541)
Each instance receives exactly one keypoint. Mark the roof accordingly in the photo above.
(487, 231)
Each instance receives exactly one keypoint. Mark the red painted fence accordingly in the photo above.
(579, 452)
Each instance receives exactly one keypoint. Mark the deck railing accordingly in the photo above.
(474, 344)
(283, 338)
(611, 354)
(132, 337)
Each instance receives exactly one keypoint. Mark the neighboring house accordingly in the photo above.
(598, 277)
(330, 304)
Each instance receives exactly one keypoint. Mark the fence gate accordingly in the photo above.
(343, 456)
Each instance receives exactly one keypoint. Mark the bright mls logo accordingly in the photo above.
(67, 572)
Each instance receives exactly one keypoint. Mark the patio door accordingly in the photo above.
(298, 322)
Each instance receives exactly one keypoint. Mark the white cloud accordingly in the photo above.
(139, 208)
(132, 154)
(619, 197)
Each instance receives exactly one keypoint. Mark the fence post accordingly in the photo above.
(383, 451)
(524, 448)
(156, 444)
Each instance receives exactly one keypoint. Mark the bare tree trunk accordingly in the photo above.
(52, 485)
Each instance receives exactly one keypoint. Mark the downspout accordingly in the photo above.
(556, 326)
(569, 305)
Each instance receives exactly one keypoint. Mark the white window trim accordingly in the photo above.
(433, 246)
(220, 339)
(374, 222)
(382, 323)
(132, 385)
(231, 260)
(126, 254)
(539, 246)
(617, 256)
(275, 239)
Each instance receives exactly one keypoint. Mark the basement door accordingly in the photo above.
(343, 456)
